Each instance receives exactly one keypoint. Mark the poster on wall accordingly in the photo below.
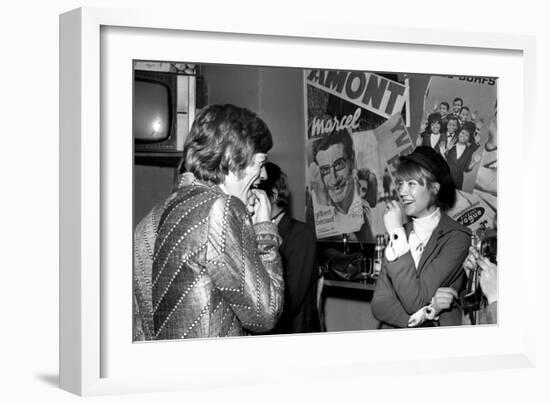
(359, 123)
(344, 165)
(468, 109)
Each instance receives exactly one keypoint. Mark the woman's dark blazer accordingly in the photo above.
(401, 289)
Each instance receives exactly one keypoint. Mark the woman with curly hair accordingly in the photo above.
(432, 135)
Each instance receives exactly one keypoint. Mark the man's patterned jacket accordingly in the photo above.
(212, 273)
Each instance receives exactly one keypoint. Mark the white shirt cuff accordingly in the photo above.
(397, 245)
(423, 314)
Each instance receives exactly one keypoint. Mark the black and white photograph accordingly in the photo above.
(291, 201)
(388, 219)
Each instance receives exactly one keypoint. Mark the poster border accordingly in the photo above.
(81, 168)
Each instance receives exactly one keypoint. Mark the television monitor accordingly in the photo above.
(163, 109)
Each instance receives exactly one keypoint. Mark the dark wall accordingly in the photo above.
(282, 108)
(151, 185)
(237, 85)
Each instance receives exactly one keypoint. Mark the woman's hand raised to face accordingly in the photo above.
(258, 205)
(393, 216)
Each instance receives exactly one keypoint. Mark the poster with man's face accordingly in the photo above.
(344, 164)
(335, 189)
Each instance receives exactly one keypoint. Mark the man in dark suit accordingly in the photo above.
(299, 255)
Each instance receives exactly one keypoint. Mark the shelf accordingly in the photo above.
(350, 284)
(166, 159)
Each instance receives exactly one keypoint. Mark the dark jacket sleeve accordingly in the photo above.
(244, 264)
(414, 288)
(300, 251)
(385, 306)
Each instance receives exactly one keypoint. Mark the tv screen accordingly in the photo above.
(152, 111)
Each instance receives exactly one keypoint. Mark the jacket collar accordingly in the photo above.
(446, 225)
(188, 179)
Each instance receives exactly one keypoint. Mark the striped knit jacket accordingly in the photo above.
(213, 273)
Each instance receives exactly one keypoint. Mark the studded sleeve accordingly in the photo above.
(244, 264)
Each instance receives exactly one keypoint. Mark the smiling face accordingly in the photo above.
(443, 110)
(239, 184)
(463, 136)
(452, 125)
(255, 172)
(464, 115)
(336, 173)
(416, 197)
(456, 106)
(435, 127)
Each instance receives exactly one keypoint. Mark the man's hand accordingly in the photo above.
(471, 261)
(443, 299)
(488, 279)
(443, 148)
(258, 205)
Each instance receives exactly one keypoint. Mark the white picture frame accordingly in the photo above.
(96, 353)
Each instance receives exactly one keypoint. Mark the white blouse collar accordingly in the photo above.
(425, 225)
